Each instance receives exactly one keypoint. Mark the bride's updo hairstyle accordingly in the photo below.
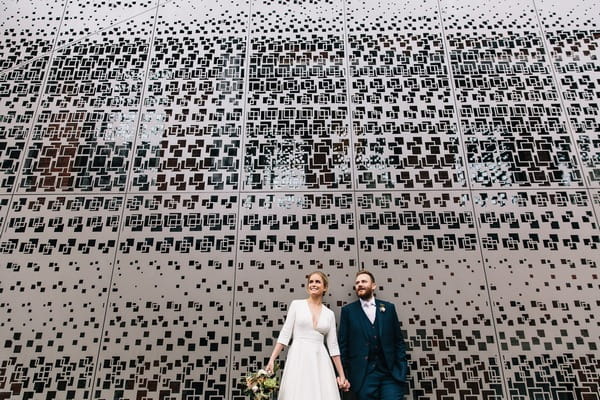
(323, 278)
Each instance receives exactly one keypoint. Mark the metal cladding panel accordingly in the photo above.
(170, 172)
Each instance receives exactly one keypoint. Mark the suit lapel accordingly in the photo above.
(379, 317)
(365, 323)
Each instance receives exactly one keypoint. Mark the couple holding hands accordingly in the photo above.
(368, 351)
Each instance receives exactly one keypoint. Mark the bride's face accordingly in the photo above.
(315, 286)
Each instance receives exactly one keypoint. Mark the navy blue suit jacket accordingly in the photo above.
(353, 339)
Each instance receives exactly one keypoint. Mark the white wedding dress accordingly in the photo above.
(308, 372)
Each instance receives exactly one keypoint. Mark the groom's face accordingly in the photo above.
(364, 286)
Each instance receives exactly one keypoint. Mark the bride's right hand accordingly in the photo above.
(270, 367)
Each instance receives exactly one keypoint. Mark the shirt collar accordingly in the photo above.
(370, 302)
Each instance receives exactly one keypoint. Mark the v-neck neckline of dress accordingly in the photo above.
(315, 322)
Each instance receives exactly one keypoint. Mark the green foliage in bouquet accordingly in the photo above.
(260, 385)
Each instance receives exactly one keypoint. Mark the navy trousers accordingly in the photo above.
(380, 385)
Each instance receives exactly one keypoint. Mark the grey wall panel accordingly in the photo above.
(4, 207)
(190, 134)
(82, 19)
(85, 127)
(511, 116)
(168, 322)
(403, 114)
(595, 196)
(296, 116)
(423, 249)
(51, 325)
(29, 30)
(21, 90)
(543, 304)
(572, 38)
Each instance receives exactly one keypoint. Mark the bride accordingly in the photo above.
(308, 373)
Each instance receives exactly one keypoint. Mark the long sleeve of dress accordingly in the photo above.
(288, 326)
(331, 337)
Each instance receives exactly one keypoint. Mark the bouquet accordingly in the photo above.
(260, 384)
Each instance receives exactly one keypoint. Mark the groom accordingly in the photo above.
(371, 345)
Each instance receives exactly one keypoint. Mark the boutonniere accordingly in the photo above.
(382, 308)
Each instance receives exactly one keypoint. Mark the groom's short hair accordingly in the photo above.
(365, 272)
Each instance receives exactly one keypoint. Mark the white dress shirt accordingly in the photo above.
(369, 308)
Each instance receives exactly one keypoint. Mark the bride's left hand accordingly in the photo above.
(343, 384)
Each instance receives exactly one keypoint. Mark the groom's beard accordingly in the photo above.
(365, 294)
